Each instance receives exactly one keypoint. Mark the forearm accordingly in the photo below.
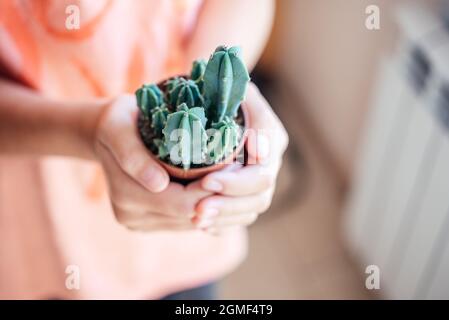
(232, 22)
(33, 124)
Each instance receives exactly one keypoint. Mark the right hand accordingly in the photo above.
(142, 196)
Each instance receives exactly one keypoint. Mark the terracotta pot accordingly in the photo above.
(195, 173)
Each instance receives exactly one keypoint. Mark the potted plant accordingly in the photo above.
(194, 124)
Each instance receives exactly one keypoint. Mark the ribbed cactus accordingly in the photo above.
(197, 73)
(175, 125)
(171, 83)
(149, 97)
(162, 150)
(159, 119)
(224, 137)
(225, 81)
(198, 68)
(184, 91)
(185, 136)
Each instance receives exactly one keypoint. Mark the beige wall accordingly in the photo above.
(327, 59)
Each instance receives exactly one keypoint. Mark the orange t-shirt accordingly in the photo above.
(56, 222)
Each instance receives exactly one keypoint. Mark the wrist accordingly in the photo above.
(87, 125)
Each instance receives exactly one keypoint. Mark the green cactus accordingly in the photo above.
(197, 73)
(184, 91)
(171, 83)
(185, 131)
(180, 133)
(225, 81)
(224, 138)
(161, 147)
(159, 118)
(198, 68)
(149, 97)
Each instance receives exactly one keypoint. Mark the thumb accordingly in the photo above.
(141, 167)
(261, 123)
(119, 134)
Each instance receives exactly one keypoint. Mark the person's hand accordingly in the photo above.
(243, 192)
(141, 194)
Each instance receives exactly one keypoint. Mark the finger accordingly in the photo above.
(267, 136)
(197, 191)
(156, 222)
(214, 206)
(214, 225)
(176, 200)
(248, 180)
(124, 191)
(238, 220)
(128, 149)
(258, 145)
(180, 201)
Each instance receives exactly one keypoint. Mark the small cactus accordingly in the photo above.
(161, 148)
(159, 118)
(149, 97)
(224, 137)
(225, 81)
(171, 83)
(197, 73)
(185, 131)
(184, 91)
(192, 122)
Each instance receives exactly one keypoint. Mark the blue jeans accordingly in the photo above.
(206, 292)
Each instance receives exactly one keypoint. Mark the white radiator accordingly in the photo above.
(398, 212)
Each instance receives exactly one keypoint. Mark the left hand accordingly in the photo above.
(244, 192)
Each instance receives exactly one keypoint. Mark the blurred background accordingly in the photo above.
(366, 176)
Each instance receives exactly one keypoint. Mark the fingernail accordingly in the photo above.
(154, 180)
(213, 185)
(209, 213)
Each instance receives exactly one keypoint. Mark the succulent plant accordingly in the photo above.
(224, 137)
(161, 148)
(185, 91)
(171, 83)
(149, 97)
(193, 121)
(225, 81)
(159, 118)
(197, 73)
(185, 135)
